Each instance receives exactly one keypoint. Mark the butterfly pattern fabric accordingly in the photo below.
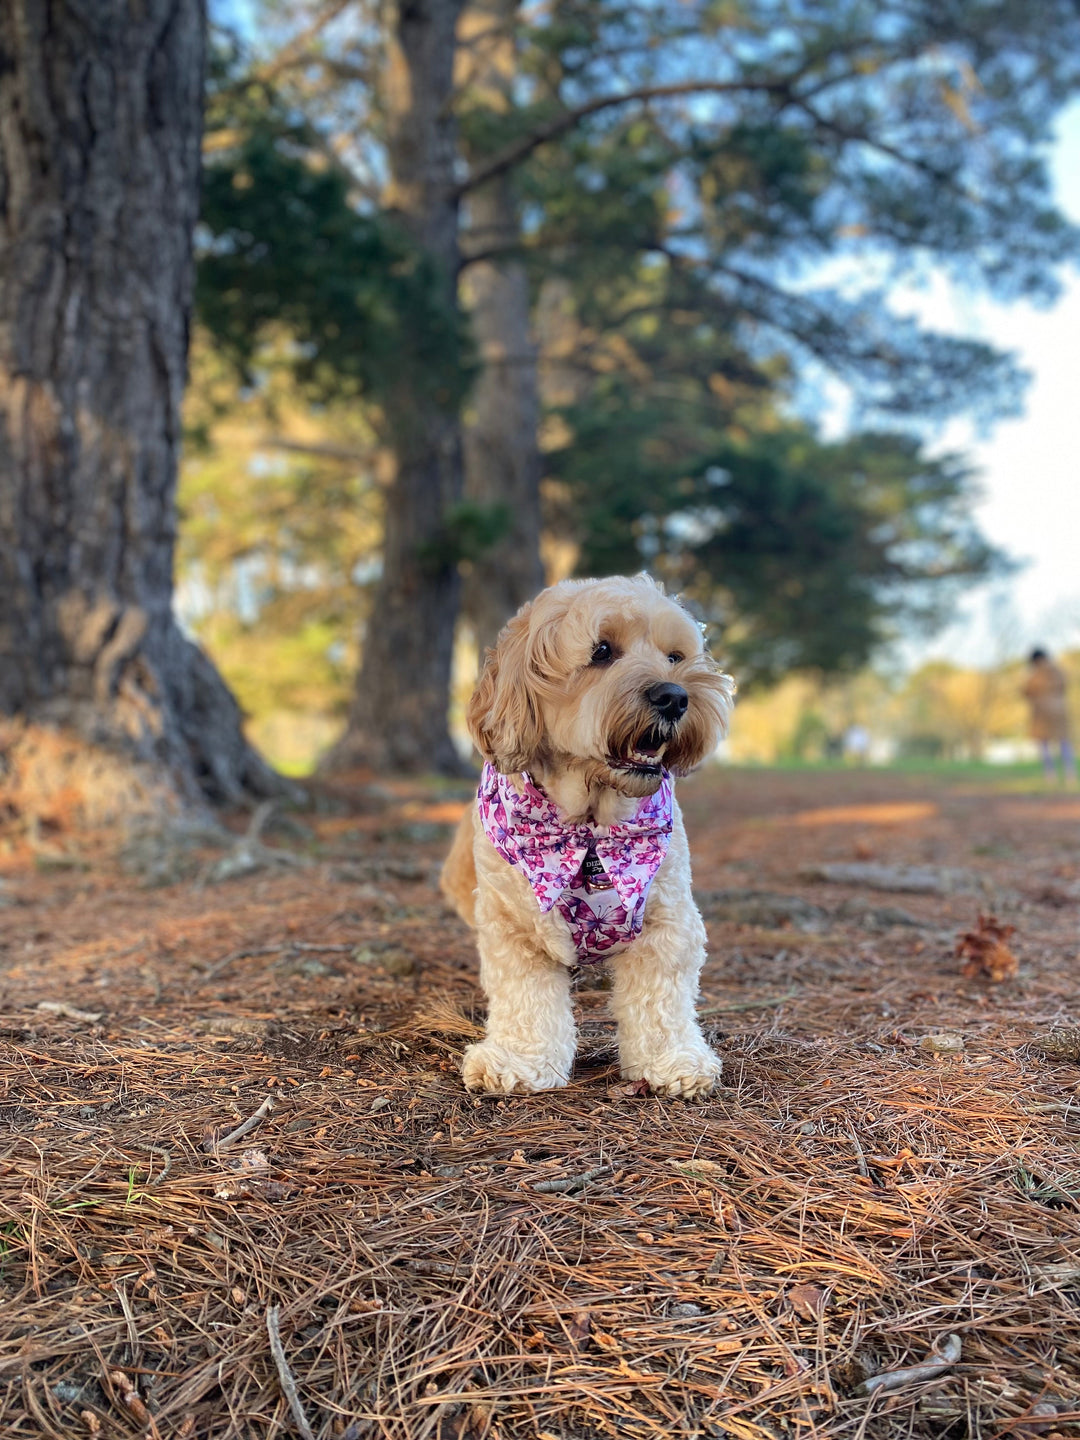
(604, 914)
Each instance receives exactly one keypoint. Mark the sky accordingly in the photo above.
(1030, 465)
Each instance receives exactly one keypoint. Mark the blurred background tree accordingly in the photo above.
(299, 278)
(667, 226)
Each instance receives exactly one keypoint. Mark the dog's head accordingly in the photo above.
(609, 677)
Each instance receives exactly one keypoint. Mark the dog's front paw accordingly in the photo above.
(492, 1067)
(690, 1073)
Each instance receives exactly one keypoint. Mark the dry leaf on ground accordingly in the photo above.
(809, 1301)
(984, 951)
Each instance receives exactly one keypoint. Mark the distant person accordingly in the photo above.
(857, 743)
(1044, 690)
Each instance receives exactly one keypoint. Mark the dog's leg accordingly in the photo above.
(654, 998)
(529, 1044)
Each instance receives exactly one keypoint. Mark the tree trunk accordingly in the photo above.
(502, 459)
(100, 129)
(398, 718)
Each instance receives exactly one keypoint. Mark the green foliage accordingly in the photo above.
(810, 739)
(837, 138)
(717, 251)
(691, 232)
(469, 530)
(283, 246)
(804, 554)
(311, 309)
(277, 525)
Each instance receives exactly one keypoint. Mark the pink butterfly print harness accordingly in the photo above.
(596, 876)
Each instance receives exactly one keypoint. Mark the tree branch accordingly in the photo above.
(337, 69)
(497, 252)
(324, 451)
(860, 137)
(297, 47)
(519, 150)
(782, 87)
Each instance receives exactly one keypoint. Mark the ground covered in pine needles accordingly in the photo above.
(888, 1180)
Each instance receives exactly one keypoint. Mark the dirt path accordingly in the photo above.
(594, 1262)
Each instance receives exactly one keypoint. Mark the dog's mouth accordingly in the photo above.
(644, 756)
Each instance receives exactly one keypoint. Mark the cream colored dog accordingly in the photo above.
(593, 692)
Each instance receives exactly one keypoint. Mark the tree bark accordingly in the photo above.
(100, 129)
(502, 458)
(398, 717)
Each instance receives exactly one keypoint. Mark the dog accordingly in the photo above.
(595, 695)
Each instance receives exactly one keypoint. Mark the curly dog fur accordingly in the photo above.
(565, 696)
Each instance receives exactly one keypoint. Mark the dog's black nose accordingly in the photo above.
(668, 700)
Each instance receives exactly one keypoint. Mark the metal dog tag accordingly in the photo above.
(593, 873)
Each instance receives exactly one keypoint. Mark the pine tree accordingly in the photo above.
(100, 126)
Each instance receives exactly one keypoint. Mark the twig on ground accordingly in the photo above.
(948, 1352)
(717, 1263)
(55, 1201)
(569, 1183)
(257, 823)
(249, 854)
(765, 1004)
(60, 1007)
(212, 971)
(212, 1146)
(159, 1150)
(431, 1267)
(860, 1158)
(288, 1384)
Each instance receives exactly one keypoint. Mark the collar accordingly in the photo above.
(529, 831)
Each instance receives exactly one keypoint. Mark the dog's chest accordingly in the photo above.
(598, 919)
(597, 878)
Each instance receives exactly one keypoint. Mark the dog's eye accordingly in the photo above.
(603, 654)
(675, 657)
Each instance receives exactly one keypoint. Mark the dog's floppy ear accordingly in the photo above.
(503, 715)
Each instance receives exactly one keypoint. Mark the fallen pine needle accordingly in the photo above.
(949, 1353)
(129, 1319)
(288, 1384)
(241, 1130)
(213, 970)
